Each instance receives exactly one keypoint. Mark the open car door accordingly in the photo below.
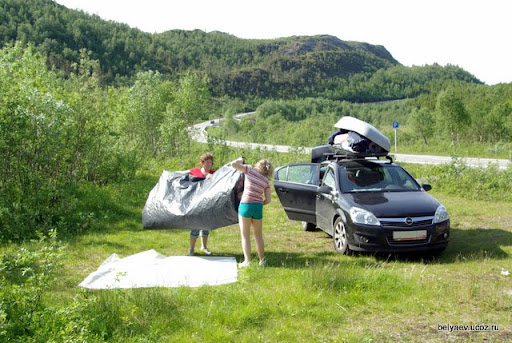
(296, 186)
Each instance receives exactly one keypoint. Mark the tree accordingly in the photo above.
(189, 103)
(147, 106)
(173, 132)
(495, 121)
(451, 114)
(422, 121)
(229, 124)
(34, 128)
(192, 97)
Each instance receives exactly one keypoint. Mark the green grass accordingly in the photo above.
(308, 293)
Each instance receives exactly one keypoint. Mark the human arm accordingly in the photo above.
(330, 141)
(238, 164)
(268, 196)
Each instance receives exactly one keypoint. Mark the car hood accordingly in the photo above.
(396, 204)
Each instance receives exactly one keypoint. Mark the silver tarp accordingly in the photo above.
(179, 201)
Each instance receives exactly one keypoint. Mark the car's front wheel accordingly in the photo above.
(308, 226)
(340, 237)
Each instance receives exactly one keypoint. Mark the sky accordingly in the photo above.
(472, 34)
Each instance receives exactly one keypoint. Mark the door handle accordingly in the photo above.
(282, 190)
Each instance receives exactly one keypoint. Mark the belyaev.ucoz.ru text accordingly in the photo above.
(472, 327)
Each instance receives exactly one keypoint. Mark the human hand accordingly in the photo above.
(238, 164)
(239, 160)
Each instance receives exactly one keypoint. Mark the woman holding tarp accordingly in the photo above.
(206, 162)
(250, 212)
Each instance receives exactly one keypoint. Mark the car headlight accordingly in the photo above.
(441, 214)
(361, 216)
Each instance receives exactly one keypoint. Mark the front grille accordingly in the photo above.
(409, 222)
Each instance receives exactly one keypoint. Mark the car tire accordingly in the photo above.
(340, 237)
(308, 226)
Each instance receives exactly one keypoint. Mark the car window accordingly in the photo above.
(303, 173)
(403, 178)
(329, 179)
(373, 177)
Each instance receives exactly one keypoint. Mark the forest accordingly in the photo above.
(246, 69)
(469, 120)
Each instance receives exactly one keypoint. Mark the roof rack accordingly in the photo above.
(355, 156)
(337, 153)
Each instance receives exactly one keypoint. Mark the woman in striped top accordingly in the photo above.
(250, 212)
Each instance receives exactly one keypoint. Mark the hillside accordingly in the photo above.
(288, 67)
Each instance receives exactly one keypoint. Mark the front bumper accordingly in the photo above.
(381, 239)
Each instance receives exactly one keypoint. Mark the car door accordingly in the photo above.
(325, 200)
(296, 186)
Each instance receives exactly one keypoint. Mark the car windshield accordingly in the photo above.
(374, 177)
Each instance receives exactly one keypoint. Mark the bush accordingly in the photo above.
(456, 178)
(25, 279)
(54, 135)
(25, 276)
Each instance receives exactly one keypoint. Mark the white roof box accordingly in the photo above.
(364, 129)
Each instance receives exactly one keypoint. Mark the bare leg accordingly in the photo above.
(257, 226)
(193, 242)
(245, 226)
(204, 241)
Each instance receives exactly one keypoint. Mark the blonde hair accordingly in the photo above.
(205, 156)
(265, 168)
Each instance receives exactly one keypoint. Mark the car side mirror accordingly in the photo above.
(324, 190)
(426, 187)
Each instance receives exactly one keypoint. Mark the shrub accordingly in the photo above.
(26, 277)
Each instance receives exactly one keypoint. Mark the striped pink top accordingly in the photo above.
(254, 186)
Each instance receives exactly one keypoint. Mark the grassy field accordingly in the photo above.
(307, 293)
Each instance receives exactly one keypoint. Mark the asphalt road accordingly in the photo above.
(199, 133)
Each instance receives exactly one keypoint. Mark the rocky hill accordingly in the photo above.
(298, 66)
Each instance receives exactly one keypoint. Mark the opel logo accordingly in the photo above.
(408, 221)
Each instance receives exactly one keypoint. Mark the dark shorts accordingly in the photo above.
(251, 210)
(195, 233)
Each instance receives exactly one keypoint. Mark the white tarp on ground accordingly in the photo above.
(151, 269)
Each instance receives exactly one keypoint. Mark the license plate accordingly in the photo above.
(409, 235)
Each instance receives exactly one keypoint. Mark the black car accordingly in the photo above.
(365, 204)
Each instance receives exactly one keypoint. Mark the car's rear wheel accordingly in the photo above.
(308, 226)
(340, 237)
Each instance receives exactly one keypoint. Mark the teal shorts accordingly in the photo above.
(251, 210)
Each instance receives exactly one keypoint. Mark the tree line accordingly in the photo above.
(246, 69)
(456, 113)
